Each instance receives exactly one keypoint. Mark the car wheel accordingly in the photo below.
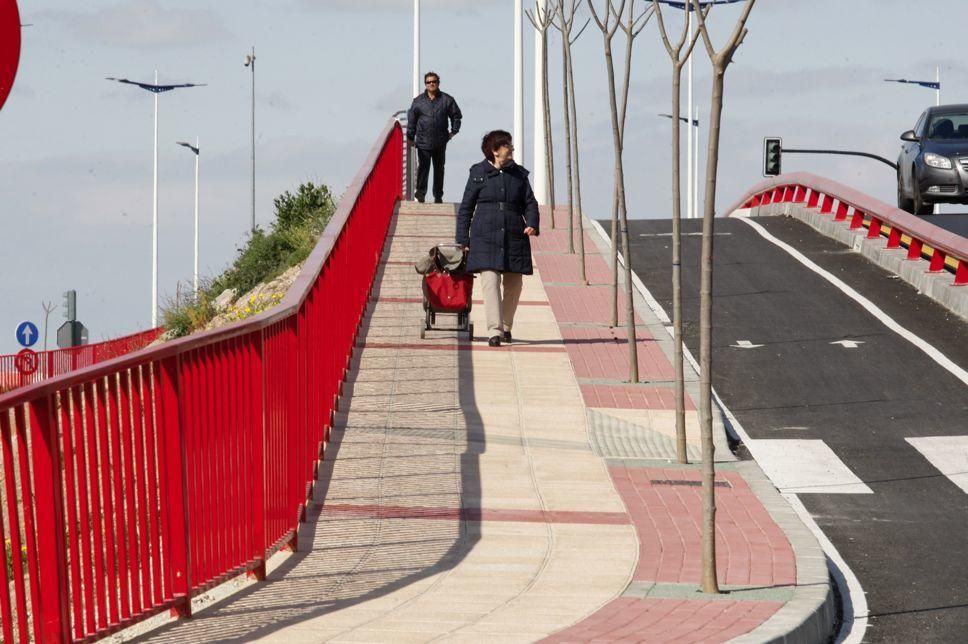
(920, 207)
(902, 201)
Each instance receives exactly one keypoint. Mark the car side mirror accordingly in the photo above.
(910, 136)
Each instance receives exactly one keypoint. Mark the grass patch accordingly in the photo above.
(299, 221)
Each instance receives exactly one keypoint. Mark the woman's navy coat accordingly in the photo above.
(497, 206)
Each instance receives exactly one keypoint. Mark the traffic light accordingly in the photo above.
(772, 153)
(70, 305)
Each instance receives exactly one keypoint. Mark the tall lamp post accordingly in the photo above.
(692, 160)
(936, 86)
(693, 196)
(155, 89)
(417, 79)
(518, 107)
(250, 62)
(195, 149)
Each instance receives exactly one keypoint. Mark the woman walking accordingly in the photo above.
(497, 216)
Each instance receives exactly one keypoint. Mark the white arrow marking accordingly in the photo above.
(848, 344)
(745, 344)
(27, 332)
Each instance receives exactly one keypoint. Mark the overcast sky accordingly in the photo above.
(76, 152)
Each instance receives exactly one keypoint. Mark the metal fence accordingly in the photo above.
(60, 361)
(133, 485)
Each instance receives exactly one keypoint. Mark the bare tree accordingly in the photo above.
(632, 28)
(720, 61)
(541, 18)
(678, 58)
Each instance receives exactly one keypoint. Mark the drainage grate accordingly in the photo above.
(687, 483)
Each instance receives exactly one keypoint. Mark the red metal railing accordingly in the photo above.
(945, 250)
(61, 361)
(135, 484)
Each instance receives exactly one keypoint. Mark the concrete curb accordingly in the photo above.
(809, 617)
(937, 286)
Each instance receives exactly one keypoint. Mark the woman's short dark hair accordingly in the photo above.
(494, 141)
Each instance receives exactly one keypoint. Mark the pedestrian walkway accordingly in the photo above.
(518, 493)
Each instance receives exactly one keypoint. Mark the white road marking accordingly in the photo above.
(848, 344)
(949, 454)
(805, 467)
(853, 597)
(745, 344)
(873, 309)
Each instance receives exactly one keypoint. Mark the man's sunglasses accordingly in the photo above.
(436, 82)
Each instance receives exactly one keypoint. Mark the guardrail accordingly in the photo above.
(945, 250)
(60, 361)
(133, 485)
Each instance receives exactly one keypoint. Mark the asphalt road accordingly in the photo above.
(907, 540)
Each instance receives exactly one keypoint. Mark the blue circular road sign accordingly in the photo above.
(27, 334)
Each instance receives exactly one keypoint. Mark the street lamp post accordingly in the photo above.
(250, 62)
(518, 107)
(693, 195)
(936, 86)
(195, 149)
(155, 89)
(417, 79)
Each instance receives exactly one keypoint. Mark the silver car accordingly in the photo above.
(933, 164)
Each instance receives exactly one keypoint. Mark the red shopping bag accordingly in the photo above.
(448, 292)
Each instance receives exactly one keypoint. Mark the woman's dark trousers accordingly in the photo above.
(424, 158)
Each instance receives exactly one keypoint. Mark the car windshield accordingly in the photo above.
(949, 127)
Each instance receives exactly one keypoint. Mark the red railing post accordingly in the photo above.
(172, 434)
(51, 617)
(257, 453)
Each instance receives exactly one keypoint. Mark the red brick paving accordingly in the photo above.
(601, 352)
(750, 548)
(585, 304)
(556, 241)
(564, 268)
(628, 619)
(631, 397)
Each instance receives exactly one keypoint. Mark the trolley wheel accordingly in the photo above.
(433, 317)
(427, 320)
(423, 333)
(470, 331)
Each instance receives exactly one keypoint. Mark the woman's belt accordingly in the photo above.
(507, 206)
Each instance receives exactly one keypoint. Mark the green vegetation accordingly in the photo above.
(300, 219)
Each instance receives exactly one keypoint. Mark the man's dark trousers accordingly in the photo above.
(424, 159)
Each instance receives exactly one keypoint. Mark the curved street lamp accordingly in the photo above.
(195, 149)
(155, 89)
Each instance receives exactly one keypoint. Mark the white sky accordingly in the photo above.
(76, 151)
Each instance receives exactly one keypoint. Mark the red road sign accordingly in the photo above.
(26, 362)
(9, 46)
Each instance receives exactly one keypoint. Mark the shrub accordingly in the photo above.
(300, 219)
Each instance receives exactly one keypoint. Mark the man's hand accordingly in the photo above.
(451, 135)
(530, 232)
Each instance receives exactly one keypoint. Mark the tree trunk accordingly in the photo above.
(571, 186)
(549, 144)
(572, 107)
(681, 453)
(623, 204)
(617, 142)
(709, 581)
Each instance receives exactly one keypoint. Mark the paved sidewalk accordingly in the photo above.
(518, 494)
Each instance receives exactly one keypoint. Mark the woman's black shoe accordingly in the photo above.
(507, 337)
(494, 341)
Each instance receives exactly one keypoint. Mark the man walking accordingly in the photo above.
(427, 129)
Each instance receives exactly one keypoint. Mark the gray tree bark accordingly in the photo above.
(720, 61)
(678, 58)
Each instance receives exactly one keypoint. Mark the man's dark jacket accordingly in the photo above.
(497, 206)
(427, 120)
